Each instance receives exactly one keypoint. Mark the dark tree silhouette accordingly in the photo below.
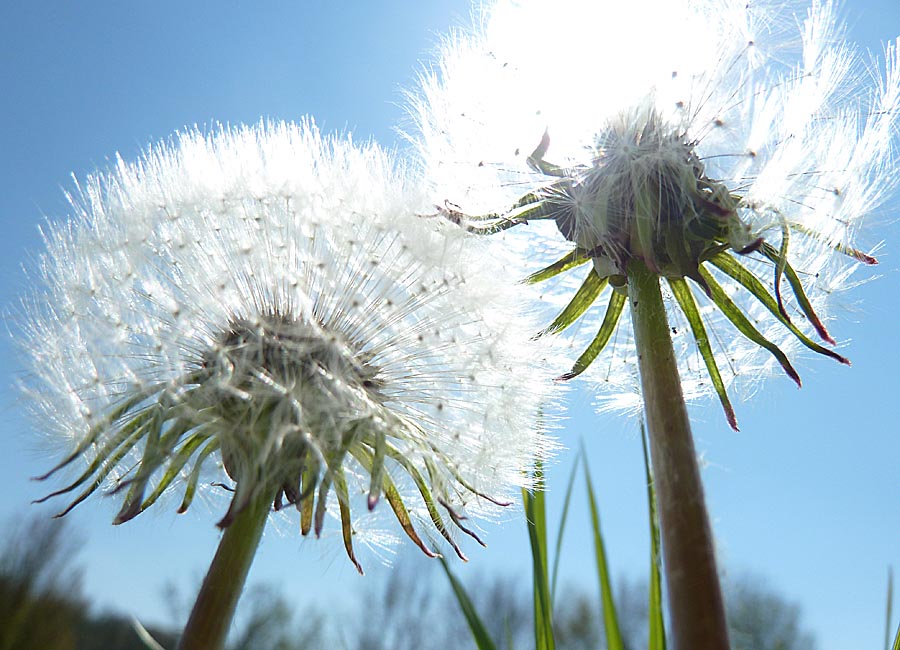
(42, 608)
(40, 591)
(761, 619)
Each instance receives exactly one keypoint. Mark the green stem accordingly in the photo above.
(213, 611)
(695, 598)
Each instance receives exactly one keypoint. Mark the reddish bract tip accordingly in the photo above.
(732, 419)
(821, 331)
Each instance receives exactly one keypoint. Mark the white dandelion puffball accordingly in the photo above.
(272, 310)
(736, 145)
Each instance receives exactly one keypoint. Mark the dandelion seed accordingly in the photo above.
(262, 308)
(703, 138)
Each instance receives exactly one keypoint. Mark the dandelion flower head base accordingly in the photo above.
(262, 307)
(283, 372)
(646, 197)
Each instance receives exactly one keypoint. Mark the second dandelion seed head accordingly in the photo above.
(646, 196)
(711, 141)
(266, 311)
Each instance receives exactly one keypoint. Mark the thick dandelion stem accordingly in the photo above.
(214, 608)
(695, 597)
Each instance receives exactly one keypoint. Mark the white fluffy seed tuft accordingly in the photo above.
(271, 309)
(773, 102)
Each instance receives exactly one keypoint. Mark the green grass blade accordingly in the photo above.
(889, 611)
(607, 327)
(536, 521)
(688, 305)
(610, 618)
(582, 300)
(568, 261)
(562, 526)
(655, 623)
(480, 634)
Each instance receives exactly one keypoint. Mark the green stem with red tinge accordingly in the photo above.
(214, 608)
(695, 598)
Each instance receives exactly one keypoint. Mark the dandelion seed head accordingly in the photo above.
(643, 127)
(275, 311)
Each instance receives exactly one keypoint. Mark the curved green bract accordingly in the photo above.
(101, 426)
(449, 465)
(455, 517)
(607, 327)
(568, 261)
(536, 159)
(308, 478)
(321, 502)
(194, 478)
(181, 458)
(110, 463)
(500, 224)
(128, 435)
(743, 276)
(841, 248)
(688, 305)
(780, 266)
(427, 497)
(582, 300)
(744, 326)
(458, 521)
(402, 514)
(531, 206)
(343, 498)
(377, 470)
(159, 446)
(794, 280)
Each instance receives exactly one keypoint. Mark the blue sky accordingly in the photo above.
(807, 496)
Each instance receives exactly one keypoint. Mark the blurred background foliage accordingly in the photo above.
(42, 607)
